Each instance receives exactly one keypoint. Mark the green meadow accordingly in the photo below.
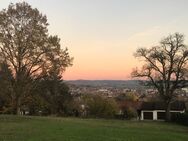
(17, 128)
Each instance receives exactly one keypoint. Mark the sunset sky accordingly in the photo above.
(102, 35)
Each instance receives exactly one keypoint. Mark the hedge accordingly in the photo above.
(180, 118)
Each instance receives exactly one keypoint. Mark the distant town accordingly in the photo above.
(115, 88)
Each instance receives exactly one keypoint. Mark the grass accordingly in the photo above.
(15, 128)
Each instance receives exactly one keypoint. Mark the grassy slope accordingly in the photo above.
(14, 128)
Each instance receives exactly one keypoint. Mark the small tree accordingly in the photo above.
(28, 49)
(100, 107)
(165, 67)
(128, 103)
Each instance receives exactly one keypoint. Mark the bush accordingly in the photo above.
(180, 118)
(100, 107)
(130, 113)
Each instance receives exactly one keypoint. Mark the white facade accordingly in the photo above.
(155, 112)
(185, 89)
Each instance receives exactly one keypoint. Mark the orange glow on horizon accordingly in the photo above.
(103, 70)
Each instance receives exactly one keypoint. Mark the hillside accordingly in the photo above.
(132, 84)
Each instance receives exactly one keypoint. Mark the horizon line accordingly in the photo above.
(101, 79)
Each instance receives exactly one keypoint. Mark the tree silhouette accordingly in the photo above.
(28, 49)
(166, 67)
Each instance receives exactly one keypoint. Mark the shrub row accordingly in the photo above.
(180, 118)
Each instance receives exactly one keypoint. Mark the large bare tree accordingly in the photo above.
(166, 66)
(28, 49)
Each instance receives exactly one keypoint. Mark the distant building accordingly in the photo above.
(185, 89)
(156, 110)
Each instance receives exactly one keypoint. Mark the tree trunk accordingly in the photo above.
(168, 114)
(18, 110)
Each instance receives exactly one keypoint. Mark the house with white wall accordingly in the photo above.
(156, 110)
